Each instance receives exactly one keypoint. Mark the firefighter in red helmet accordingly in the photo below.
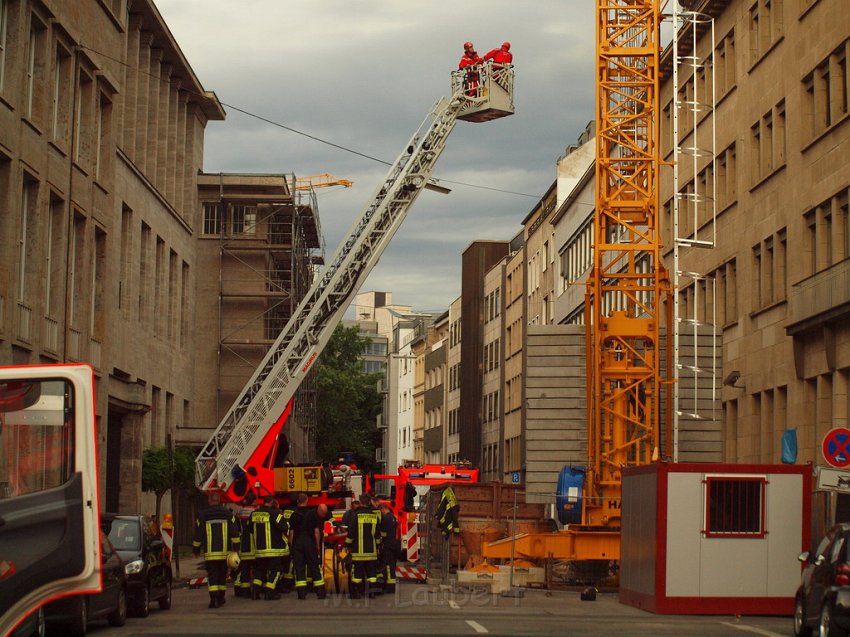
(469, 61)
(501, 56)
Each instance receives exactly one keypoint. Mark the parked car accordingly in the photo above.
(71, 615)
(143, 551)
(823, 599)
(33, 625)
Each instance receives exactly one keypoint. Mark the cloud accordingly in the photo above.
(363, 75)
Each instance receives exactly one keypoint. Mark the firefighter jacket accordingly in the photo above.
(269, 529)
(447, 512)
(216, 533)
(389, 532)
(246, 545)
(364, 535)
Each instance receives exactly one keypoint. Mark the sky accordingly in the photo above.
(363, 75)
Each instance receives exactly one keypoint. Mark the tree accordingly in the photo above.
(347, 399)
(156, 477)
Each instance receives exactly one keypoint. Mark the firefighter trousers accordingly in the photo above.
(306, 562)
(266, 573)
(363, 577)
(216, 578)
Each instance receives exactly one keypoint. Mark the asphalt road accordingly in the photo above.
(428, 610)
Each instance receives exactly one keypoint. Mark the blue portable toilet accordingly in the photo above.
(569, 494)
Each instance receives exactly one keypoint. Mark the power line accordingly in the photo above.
(302, 133)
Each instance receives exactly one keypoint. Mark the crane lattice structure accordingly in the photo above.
(625, 306)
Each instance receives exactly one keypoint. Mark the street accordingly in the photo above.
(428, 609)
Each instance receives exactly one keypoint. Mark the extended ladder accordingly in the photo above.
(309, 329)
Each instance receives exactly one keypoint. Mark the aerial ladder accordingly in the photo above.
(238, 460)
(624, 307)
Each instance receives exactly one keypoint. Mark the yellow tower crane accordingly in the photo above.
(626, 290)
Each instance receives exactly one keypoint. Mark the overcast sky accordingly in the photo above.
(363, 74)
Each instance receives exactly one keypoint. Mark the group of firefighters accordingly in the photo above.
(279, 550)
(470, 60)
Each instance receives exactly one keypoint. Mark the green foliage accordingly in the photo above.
(156, 476)
(347, 400)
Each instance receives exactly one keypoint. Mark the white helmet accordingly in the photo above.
(233, 560)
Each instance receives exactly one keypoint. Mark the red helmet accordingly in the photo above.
(506, 46)
(467, 46)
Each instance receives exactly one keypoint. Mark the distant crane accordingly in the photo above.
(325, 180)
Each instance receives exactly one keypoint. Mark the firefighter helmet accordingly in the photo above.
(467, 46)
(233, 560)
(506, 46)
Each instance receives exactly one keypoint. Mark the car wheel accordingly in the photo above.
(144, 607)
(118, 617)
(800, 627)
(826, 627)
(77, 627)
(165, 600)
(40, 624)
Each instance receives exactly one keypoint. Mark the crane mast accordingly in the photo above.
(628, 283)
(270, 389)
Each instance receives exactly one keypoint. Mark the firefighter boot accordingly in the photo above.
(302, 592)
(213, 601)
(255, 592)
(321, 592)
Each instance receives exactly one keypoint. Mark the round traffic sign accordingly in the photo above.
(836, 447)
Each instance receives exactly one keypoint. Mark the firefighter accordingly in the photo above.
(242, 584)
(447, 512)
(469, 61)
(501, 56)
(363, 538)
(270, 547)
(307, 541)
(390, 547)
(287, 581)
(216, 534)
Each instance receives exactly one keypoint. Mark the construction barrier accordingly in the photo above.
(410, 539)
(167, 532)
(411, 573)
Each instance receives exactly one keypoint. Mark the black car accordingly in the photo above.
(823, 599)
(143, 552)
(33, 625)
(71, 615)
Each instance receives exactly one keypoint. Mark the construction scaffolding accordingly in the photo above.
(269, 248)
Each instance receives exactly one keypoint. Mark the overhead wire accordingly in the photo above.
(299, 132)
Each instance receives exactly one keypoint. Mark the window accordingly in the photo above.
(35, 103)
(734, 507)
(724, 65)
(4, 29)
(768, 142)
(35, 449)
(213, 218)
(825, 93)
(765, 27)
(62, 80)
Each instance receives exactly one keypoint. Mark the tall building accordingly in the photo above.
(107, 255)
(776, 284)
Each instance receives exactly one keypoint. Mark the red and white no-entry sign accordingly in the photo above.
(836, 447)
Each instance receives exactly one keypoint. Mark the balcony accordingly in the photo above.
(820, 299)
(381, 422)
(380, 454)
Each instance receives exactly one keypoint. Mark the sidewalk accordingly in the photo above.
(191, 571)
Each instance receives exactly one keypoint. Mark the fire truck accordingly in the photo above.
(49, 531)
(408, 489)
(241, 459)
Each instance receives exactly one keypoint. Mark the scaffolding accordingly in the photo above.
(269, 248)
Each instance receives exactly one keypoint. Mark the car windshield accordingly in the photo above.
(125, 535)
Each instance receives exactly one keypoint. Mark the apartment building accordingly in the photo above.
(777, 281)
(454, 369)
(434, 433)
(108, 256)
(101, 145)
